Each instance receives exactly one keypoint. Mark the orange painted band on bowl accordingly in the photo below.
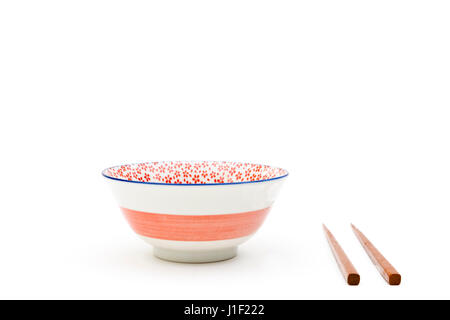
(195, 227)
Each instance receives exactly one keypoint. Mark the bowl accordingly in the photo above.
(195, 211)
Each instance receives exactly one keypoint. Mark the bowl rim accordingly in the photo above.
(193, 184)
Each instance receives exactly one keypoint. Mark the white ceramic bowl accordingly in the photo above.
(195, 211)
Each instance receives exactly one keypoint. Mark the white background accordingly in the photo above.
(352, 97)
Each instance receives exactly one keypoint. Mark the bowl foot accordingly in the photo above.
(195, 256)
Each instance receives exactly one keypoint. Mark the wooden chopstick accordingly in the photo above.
(349, 272)
(384, 267)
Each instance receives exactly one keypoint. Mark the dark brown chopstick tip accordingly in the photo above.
(353, 279)
(395, 279)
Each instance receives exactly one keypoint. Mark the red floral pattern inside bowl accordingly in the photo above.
(194, 172)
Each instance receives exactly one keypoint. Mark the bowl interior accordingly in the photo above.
(194, 172)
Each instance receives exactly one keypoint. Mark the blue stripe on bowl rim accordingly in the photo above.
(192, 184)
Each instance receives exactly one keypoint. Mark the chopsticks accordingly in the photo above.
(349, 272)
(384, 267)
(388, 272)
